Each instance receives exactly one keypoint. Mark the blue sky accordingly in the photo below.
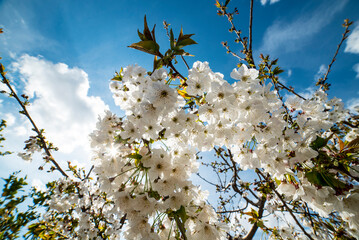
(63, 53)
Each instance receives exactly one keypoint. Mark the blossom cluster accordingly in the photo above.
(231, 116)
(144, 161)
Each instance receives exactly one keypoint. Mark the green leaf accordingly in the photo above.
(185, 42)
(146, 30)
(318, 143)
(182, 214)
(142, 36)
(354, 143)
(149, 46)
(135, 156)
(315, 178)
(322, 178)
(277, 71)
(332, 181)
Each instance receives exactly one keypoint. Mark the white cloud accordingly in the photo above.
(38, 184)
(289, 36)
(356, 69)
(60, 101)
(264, 2)
(10, 119)
(353, 41)
(308, 92)
(322, 70)
(353, 105)
(290, 72)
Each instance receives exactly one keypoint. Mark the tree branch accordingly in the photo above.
(254, 228)
(321, 81)
(284, 204)
(35, 128)
(250, 27)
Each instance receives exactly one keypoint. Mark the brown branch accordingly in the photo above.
(233, 211)
(250, 27)
(234, 182)
(284, 204)
(321, 81)
(307, 212)
(350, 125)
(213, 184)
(254, 228)
(275, 81)
(88, 174)
(246, 51)
(35, 128)
(122, 220)
(225, 44)
(290, 90)
(185, 62)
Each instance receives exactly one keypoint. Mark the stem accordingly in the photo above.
(185, 62)
(285, 204)
(250, 27)
(35, 128)
(254, 228)
(175, 70)
(321, 82)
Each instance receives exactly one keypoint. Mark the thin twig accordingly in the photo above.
(254, 228)
(184, 62)
(233, 211)
(213, 184)
(321, 81)
(275, 81)
(284, 204)
(225, 44)
(307, 211)
(250, 26)
(290, 90)
(88, 174)
(35, 128)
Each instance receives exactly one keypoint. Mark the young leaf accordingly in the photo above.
(150, 47)
(142, 36)
(185, 42)
(318, 143)
(354, 143)
(146, 30)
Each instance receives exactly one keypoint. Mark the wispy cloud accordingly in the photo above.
(291, 36)
(356, 69)
(322, 69)
(264, 2)
(353, 41)
(19, 35)
(61, 104)
(353, 105)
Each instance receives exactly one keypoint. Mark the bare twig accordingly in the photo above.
(254, 228)
(88, 174)
(225, 44)
(250, 27)
(321, 81)
(213, 184)
(290, 90)
(185, 62)
(284, 204)
(35, 128)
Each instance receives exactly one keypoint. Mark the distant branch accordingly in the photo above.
(321, 81)
(35, 128)
(250, 26)
(284, 203)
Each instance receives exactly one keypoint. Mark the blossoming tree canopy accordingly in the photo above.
(302, 153)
